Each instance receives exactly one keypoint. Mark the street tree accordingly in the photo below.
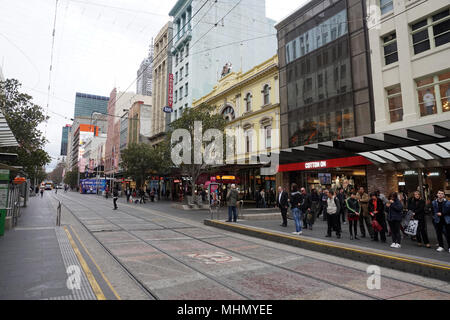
(71, 178)
(210, 119)
(24, 118)
(141, 160)
(56, 174)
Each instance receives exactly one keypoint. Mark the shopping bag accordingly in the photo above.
(407, 218)
(376, 226)
(411, 229)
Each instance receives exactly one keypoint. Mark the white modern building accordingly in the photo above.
(144, 83)
(211, 39)
(410, 57)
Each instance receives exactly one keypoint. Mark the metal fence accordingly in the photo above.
(13, 204)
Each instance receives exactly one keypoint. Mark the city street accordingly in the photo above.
(169, 257)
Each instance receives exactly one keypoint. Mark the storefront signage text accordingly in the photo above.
(315, 165)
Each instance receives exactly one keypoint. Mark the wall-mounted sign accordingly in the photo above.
(434, 174)
(332, 163)
(315, 165)
(167, 110)
(411, 173)
(170, 91)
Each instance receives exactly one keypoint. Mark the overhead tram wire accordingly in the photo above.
(51, 65)
(163, 50)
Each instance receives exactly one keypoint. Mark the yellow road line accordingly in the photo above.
(95, 287)
(416, 261)
(98, 268)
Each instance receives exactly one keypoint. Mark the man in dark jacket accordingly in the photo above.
(283, 204)
(441, 217)
(417, 205)
(115, 197)
(232, 198)
(395, 216)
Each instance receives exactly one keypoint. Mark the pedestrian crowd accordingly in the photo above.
(374, 215)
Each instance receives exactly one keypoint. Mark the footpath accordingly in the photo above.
(40, 260)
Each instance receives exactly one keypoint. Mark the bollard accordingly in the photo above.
(58, 215)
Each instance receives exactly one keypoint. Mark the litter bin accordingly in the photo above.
(2, 222)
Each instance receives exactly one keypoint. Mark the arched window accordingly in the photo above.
(266, 93)
(228, 113)
(248, 104)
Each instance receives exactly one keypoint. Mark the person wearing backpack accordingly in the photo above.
(333, 210)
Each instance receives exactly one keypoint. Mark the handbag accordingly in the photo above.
(411, 229)
(376, 226)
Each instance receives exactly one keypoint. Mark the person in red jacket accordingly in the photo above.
(376, 211)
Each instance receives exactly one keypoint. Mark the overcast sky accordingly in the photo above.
(99, 45)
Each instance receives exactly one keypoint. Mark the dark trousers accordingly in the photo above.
(232, 213)
(440, 230)
(422, 233)
(284, 215)
(323, 211)
(353, 227)
(115, 202)
(333, 223)
(368, 222)
(342, 212)
(395, 230)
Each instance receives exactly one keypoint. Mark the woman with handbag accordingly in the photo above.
(417, 205)
(376, 211)
(354, 211)
(395, 216)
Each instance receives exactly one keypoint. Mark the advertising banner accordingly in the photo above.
(170, 89)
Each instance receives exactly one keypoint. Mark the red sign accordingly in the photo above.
(170, 98)
(324, 164)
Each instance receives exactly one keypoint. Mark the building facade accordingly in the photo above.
(86, 104)
(325, 92)
(119, 104)
(139, 123)
(161, 67)
(65, 140)
(410, 50)
(251, 103)
(200, 50)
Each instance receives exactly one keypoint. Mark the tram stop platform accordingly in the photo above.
(409, 258)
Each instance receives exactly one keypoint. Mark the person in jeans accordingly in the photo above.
(417, 205)
(441, 217)
(323, 204)
(296, 203)
(232, 198)
(333, 210)
(376, 211)
(354, 211)
(395, 216)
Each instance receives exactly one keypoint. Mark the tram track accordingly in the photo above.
(179, 230)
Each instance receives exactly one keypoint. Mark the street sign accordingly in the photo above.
(170, 91)
(167, 110)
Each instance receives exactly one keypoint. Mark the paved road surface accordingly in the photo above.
(172, 257)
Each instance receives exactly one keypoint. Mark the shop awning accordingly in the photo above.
(420, 146)
(7, 138)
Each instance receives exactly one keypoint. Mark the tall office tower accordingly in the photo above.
(145, 77)
(65, 139)
(86, 104)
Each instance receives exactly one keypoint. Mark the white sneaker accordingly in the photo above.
(393, 245)
(299, 233)
(296, 233)
(398, 246)
(440, 249)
